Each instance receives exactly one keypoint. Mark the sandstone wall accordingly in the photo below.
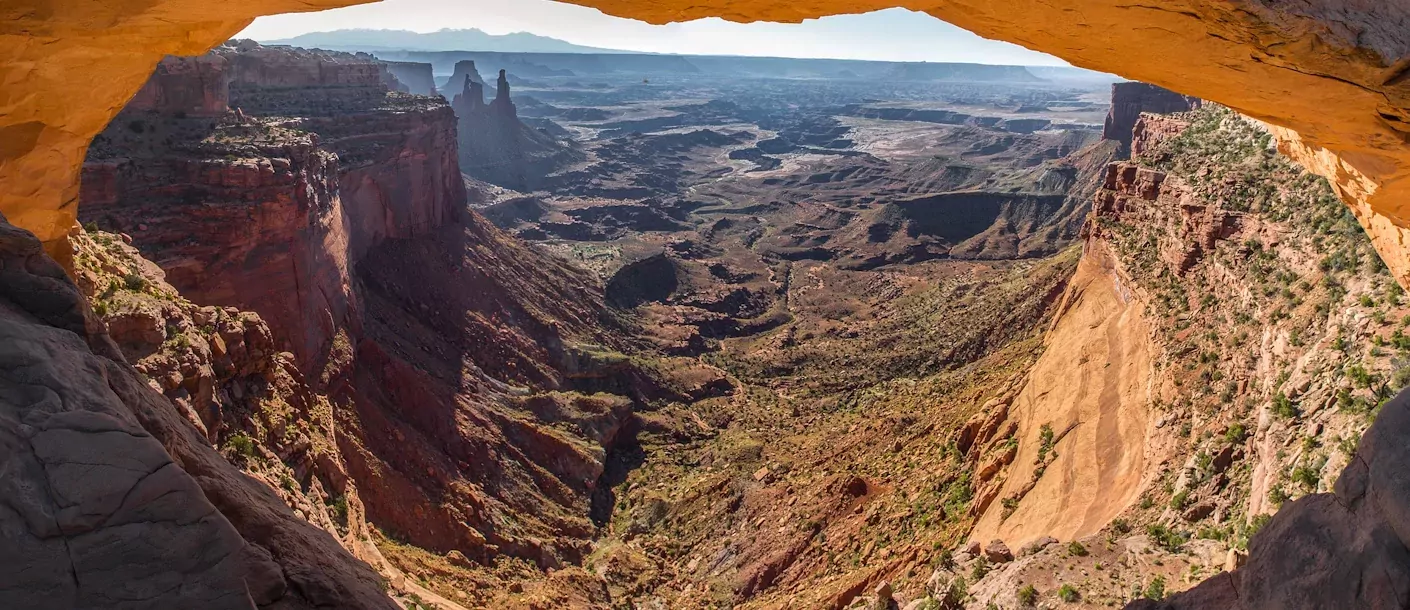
(195, 86)
(115, 499)
(264, 232)
(399, 176)
(255, 65)
(1129, 100)
(275, 216)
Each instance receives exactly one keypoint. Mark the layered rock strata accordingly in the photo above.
(1129, 100)
(471, 403)
(267, 209)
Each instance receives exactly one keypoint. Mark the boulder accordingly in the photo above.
(1038, 544)
(998, 552)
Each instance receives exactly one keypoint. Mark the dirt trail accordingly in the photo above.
(1095, 378)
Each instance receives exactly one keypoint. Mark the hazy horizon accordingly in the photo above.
(889, 35)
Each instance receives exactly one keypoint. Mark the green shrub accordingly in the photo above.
(1165, 537)
(1076, 549)
(1156, 589)
(1027, 595)
(1283, 407)
(1307, 477)
(340, 510)
(1068, 593)
(1277, 496)
(134, 282)
(1236, 434)
(1178, 501)
(1257, 524)
(1045, 442)
(981, 567)
(241, 445)
(1359, 376)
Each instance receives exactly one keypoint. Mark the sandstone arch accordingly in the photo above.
(1333, 74)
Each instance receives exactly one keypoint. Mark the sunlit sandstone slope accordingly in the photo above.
(1090, 388)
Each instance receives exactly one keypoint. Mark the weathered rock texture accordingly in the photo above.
(469, 407)
(192, 86)
(1129, 100)
(1327, 70)
(1268, 333)
(114, 499)
(310, 179)
(1347, 549)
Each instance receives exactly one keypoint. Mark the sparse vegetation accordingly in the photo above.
(1027, 595)
(241, 446)
(1165, 537)
(1045, 442)
(1156, 589)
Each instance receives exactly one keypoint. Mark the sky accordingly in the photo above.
(892, 35)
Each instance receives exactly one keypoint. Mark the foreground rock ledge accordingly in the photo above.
(1348, 549)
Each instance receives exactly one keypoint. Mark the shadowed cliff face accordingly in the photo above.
(1129, 100)
(113, 497)
(458, 370)
(270, 209)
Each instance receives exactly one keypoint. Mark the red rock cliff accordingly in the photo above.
(421, 323)
(1129, 100)
(196, 86)
(270, 215)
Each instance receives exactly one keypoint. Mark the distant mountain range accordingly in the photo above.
(444, 40)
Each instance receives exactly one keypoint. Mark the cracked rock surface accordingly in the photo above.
(109, 499)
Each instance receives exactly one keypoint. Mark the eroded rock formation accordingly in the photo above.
(414, 323)
(464, 74)
(191, 86)
(416, 76)
(495, 146)
(115, 499)
(1129, 100)
(304, 193)
(1346, 549)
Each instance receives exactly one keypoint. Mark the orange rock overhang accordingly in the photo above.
(1334, 75)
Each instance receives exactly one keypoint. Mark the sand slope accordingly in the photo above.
(1096, 374)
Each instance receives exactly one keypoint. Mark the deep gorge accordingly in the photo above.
(362, 347)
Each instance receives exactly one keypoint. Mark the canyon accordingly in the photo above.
(660, 350)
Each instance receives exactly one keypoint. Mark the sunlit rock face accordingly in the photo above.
(1129, 100)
